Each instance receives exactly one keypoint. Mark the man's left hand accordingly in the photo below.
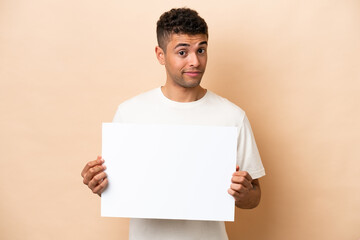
(244, 189)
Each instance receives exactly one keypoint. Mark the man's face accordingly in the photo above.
(185, 59)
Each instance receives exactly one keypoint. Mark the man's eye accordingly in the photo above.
(201, 50)
(181, 53)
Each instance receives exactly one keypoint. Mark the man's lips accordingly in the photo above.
(192, 73)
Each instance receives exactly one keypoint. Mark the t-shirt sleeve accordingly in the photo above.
(248, 157)
(117, 117)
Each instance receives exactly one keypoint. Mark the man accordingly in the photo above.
(182, 48)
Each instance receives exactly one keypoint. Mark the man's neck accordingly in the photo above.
(181, 94)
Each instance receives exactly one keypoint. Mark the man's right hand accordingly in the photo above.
(94, 176)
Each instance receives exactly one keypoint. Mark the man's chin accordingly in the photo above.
(191, 84)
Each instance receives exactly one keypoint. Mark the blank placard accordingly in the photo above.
(168, 171)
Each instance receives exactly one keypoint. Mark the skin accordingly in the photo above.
(245, 190)
(185, 61)
(94, 176)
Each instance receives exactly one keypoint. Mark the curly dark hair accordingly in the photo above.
(179, 21)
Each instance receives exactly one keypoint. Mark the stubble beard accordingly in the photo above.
(181, 81)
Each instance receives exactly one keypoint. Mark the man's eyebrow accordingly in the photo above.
(188, 45)
(182, 45)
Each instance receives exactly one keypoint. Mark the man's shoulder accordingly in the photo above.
(135, 107)
(225, 104)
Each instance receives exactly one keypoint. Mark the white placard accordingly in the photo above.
(168, 172)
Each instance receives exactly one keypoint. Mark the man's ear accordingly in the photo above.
(160, 55)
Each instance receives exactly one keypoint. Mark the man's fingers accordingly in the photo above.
(94, 176)
(239, 188)
(101, 187)
(92, 172)
(91, 164)
(235, 194)
(241, 180)
(243, 174)
(96, 180)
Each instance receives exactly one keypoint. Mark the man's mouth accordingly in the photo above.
(192, 73)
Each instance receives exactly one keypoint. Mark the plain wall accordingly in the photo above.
(293, 66)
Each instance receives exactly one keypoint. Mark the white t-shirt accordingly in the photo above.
(153, 107)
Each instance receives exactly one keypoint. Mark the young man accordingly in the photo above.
(182, 48)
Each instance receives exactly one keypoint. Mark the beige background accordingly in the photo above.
(293, 66)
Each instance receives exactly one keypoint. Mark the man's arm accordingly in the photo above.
(94, 176)
(245, 190)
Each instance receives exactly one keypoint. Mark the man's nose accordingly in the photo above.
(194, 60)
